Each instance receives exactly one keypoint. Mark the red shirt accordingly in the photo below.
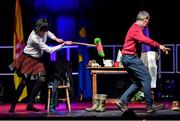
(135, 35)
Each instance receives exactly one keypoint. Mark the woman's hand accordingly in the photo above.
(59, 40)
(68, 42)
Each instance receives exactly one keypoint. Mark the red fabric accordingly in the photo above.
(135, 35)
(29, 66)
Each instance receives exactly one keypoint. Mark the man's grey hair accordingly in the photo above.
(142, 15)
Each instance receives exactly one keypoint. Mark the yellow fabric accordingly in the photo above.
(18, 45)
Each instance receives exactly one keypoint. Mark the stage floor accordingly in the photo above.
(137, 111)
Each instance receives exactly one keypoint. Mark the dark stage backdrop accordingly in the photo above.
(108, 19)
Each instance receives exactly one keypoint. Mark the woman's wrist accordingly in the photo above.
(59, 40)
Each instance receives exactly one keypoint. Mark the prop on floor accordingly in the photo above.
(138, 97)
(98, 103)
(175, 106)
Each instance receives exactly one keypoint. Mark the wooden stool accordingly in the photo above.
(67, 99)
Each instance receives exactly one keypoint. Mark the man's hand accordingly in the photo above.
(164, 49)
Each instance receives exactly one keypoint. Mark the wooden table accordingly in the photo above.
(104, 70)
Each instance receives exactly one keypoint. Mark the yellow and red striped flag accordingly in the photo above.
(18, 45)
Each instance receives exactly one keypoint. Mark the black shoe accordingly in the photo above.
(12, 109)
(31, 108)
(150, 109)
(155, 107)
(122, 106)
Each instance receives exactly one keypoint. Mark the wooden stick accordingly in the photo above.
(79, 43)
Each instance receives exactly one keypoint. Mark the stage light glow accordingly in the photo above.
(57, 5)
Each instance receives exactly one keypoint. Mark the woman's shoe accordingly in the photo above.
(11, 110)
(31, 108)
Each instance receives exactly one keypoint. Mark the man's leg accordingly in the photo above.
(130, 92)
(140, 73)
(136, 68)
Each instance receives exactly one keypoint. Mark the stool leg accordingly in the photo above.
(49, 96)
(68, 100)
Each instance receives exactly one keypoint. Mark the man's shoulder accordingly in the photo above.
(134, 27)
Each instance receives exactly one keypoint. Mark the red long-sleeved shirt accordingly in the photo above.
(135, 35)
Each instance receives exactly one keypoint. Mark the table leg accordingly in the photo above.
(94, 83)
